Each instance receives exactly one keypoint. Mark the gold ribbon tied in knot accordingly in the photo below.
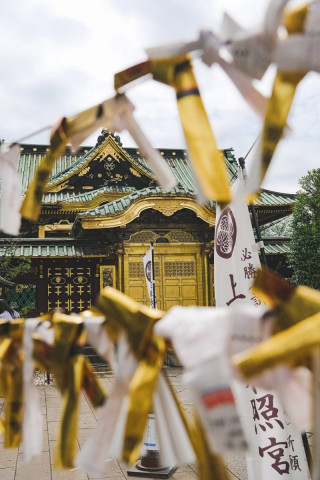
(207, 161)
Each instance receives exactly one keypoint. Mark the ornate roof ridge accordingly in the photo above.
(105, 139)
(125, 201)
(69, 196)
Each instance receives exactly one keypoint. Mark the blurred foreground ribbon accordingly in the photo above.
(297, 317)
(72, 371)
(294, 347)
(11, 196)
(207, 161)
(252, 49)
(115, 114)
(279, 104)
(291, 304)
(137, 322)
(11, 379)
(209, 45)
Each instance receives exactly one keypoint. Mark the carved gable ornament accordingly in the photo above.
(106, 165)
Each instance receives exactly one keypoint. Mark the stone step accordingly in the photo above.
(98, 363)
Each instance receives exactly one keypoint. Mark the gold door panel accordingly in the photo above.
(69, 288)
(178, 274)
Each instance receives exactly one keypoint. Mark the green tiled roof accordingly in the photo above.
(117, 206)
(76, 197)
(6, 282)
(177, 160)
(276, 245)
(53, 247)
(70, 162)
(120, 204)
(65, 247)
(268, 197)
(31, 156)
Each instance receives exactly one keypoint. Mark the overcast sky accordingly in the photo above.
(58, 57)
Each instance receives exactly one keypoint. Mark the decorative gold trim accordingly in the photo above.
(41, 231)
(58, 227)
(108, 147)
(165, 205)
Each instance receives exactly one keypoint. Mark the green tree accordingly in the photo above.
(304, 257)
(12, 267)
(280, 228)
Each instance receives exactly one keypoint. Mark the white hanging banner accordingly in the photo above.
(148, 273)
(276, 447)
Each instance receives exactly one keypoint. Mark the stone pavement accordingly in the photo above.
(13, 467)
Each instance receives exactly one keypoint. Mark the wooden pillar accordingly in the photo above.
(206, 251)
(120, 277)
(41, 231)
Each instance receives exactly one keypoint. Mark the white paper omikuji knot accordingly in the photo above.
(300, 52)
(11, 197)
(116, 114)
(252, 50)
(32, 418)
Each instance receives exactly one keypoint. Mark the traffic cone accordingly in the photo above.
(149, 465)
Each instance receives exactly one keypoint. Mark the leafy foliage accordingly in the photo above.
(304, 255)
(282, 228)
(26, 309)
(11, 267)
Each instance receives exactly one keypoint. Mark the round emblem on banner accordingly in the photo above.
(148, 271)
(226, 234)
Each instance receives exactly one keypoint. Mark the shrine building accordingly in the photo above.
(101, 210)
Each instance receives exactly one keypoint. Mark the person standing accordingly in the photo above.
(6, 311)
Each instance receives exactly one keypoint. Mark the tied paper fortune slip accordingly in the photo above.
(252, 50)
(11, 196)
(209, 45)
(116, 114)
(206, 160)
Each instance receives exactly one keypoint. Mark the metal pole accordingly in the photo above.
(264, 262)
(316, 414)
(154, 299)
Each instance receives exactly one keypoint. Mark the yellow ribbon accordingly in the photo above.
(137, 321)
(11, 379)
(123, 313)
(207, 161)
(67, 443)
(292, 347)
(31, 205)
(72, 372)
(77, 127)
(284, 87)
(291, 304)
(141, 390)
(211, 466)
